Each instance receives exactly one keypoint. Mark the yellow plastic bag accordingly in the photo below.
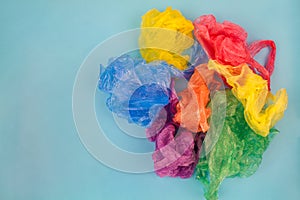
(164, 36)
(262, 109)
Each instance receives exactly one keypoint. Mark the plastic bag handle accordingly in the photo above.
(255, 48)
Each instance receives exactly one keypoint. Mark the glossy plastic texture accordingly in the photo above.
(238, 151)
(164, 36)
(137, 91)
(262, 109)
(227, 43)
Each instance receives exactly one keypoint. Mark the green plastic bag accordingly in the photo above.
(238, 150)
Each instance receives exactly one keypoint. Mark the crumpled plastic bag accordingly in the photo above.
(192, 113)
(262, 109)
(177, 150)
(175, 156)
(226, 43)
(238, 150)
(137, 90)
(165, 36)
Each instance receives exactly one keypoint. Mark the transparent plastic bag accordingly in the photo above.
(138, 90)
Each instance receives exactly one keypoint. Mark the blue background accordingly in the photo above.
(42, 45)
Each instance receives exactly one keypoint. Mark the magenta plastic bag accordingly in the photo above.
(177, 150)
(174, 156)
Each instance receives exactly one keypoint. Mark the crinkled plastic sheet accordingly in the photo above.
(177, 149)
(226, 43)
(238, 151)
(192, 113)
(262, 109)
(137, 90)
(165, 36)
(174, 156)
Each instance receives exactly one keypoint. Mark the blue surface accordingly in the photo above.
(42, 45)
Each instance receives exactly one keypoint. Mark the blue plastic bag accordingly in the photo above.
(138, 90)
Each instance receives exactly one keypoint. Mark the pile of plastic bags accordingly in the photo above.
(222, 122)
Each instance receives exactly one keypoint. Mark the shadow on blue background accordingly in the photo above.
(42, 45)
